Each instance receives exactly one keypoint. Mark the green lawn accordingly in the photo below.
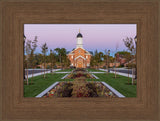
(120, 84)
(41, 84)
(89, 69)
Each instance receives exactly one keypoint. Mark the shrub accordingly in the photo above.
(130, 65)
(120, 66)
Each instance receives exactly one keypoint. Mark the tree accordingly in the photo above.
(28, 52)
(101, 56)
(123, 53)
(61, 55)
(39, 60)
(30, 49)
(116, 58)
(92, 62)
(106, 59)
(33, 61)
(44, 52)
(52, 59)
(130, 46)
(66, 62)
(96, 58)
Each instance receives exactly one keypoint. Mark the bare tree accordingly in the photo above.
(33, 61)
(30, 49)
(28, 52)
(130, 46)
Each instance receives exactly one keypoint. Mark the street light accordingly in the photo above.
(51, 59)
(108, 59)
(24, 38)
(135, 39)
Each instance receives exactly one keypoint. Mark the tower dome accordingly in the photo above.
(79, 35)
(79, 40)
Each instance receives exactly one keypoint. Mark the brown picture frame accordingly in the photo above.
(14, 14)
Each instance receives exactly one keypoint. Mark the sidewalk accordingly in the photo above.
(36, 69)
(41, 73)
(119, 73)
(65, 72)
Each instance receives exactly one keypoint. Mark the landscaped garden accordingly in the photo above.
(120, 83)
(80, 88)
(80, 83)
(40, 84)
(77, 73)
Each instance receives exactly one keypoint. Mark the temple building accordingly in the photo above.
(79, 57)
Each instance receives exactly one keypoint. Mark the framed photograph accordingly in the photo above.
(79, 65)
(79, 60)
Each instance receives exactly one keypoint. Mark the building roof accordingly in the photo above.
(72, 52)
(79, 35)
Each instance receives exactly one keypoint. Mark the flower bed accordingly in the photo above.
(79, 73)
(80, 88)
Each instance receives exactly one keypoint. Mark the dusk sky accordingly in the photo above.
(95, 36)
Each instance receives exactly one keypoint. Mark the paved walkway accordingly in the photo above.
(119, 73)
(97, 72)
(63, 72)
(54, 70)
(37, 74)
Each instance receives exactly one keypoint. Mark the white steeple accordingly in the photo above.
(79, 40)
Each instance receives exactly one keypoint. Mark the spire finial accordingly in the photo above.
(79, 30)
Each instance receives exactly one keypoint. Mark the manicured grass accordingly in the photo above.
(120, 84)
(41, 84)
(89, 69)
(94, 70)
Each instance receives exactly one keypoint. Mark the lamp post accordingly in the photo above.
(108, 60)
(51, 59)
(135, 39)
(24, 38)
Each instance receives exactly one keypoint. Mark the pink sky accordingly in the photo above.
(95, 36)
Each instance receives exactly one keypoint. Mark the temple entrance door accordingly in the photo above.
(79, 63)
